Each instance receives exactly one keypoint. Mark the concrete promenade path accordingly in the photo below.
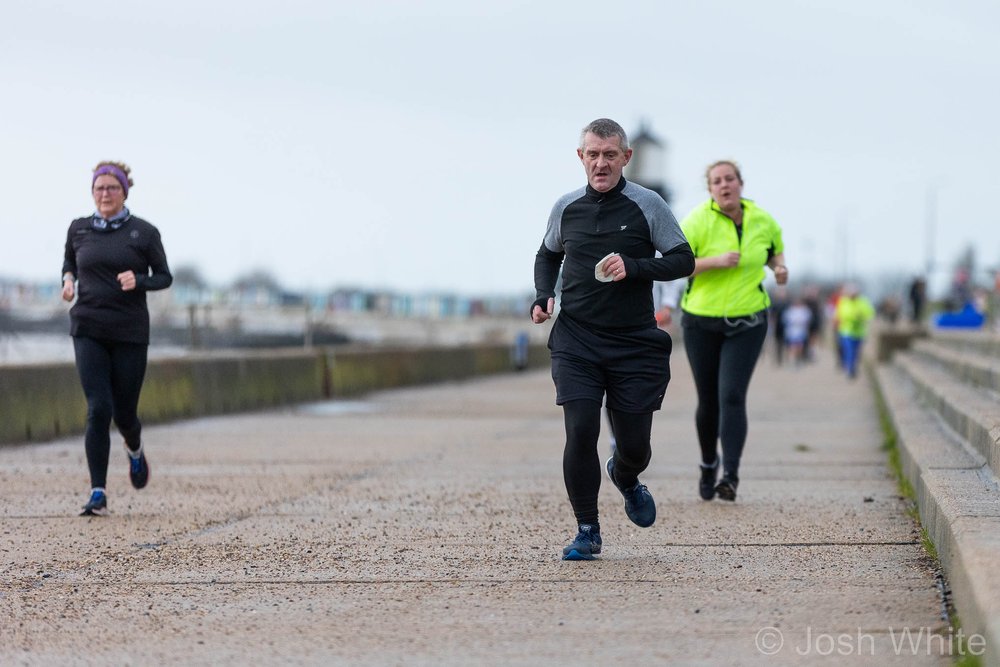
(425, 525)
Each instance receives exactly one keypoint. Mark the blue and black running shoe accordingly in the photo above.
(97, 505)
(586, 545)
(639, 504)
(138, 469)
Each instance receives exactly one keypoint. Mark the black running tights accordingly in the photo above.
(582, 466)
(111, 374)
(722, 365)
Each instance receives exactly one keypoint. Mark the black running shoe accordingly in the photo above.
(709, 477)
(639, 504)
(138, 469)
(726, 488)
(97, 505)
(586, 545)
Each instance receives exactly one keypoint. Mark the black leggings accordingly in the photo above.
(722, 364)
(581, 463)
(111, 373)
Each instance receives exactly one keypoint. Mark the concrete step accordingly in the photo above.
(965, 364)
(971, 412)
(958, 495)
(986, 343)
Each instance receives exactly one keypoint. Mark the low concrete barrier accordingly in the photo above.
(42, 401)
(892, 339)
(353, 372)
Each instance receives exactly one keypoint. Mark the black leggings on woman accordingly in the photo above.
(111, 373)
(722, 364)
(581, 463)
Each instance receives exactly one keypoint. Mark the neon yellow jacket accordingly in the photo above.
(853, 315)
(737, 291)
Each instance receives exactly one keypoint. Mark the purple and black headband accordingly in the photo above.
(111, 169)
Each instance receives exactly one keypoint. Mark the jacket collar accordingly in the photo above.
(613, 192)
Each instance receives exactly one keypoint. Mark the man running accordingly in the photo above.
(605, 343)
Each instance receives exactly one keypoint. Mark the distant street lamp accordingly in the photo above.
(648, 164)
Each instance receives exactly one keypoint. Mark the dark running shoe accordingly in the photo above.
(586, 545)
(726, 488)
(138, 469)
(709, 476)
(97, 505)
(639, 505)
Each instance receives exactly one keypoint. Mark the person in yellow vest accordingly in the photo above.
(854, 311)
(725, 317)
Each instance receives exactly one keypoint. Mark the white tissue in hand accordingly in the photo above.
(599, 272)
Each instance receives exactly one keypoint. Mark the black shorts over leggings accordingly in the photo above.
(631, 367)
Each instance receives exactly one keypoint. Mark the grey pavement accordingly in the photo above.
(424, 526)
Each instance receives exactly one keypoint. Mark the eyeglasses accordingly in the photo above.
(110, 189)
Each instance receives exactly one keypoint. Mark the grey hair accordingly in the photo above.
(605, 128)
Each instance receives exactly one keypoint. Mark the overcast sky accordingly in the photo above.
(420, 145)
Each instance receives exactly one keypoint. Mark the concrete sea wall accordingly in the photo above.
(43, 401)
